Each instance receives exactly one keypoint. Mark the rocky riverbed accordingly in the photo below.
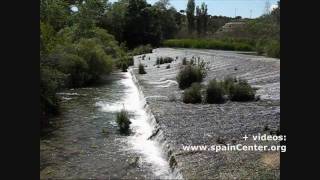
(213, 124)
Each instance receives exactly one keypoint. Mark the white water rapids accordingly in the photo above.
(142, 128)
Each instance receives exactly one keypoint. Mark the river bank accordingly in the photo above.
(209, 124)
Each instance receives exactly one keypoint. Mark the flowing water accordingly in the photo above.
(87, 144)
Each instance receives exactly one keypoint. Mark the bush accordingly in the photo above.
(191, 73)
(51, 80)
(273, 49)
(141, 69)
(241, 91)
(168, 67)
(143, 49)
(162, 60)
(184, 61)
(124, 67)
(215, 92)
(192, 94)
(231, 44)
(125, 62)
(123, 121)
(228, 83)
(98, 61)
(76, 68)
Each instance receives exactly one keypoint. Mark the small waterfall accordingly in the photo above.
(151, 140)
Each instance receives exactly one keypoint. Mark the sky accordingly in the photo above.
(244, 8)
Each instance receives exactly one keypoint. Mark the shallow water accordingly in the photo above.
(87, 144)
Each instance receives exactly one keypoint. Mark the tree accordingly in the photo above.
(190, 15)
(202, 19)
(142, 24)
(55, 13)
(276, 13)
(114, 19)
(89, 15)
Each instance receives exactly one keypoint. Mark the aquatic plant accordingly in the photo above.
(123, 121)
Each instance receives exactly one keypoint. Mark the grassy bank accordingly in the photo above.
(240, 45)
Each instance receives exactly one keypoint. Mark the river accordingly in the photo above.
(86, 142)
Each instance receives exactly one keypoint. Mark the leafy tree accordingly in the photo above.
(114, 19)
(202, 19)
(55, 13)
(88, 15)
(141, 24)
(190, 15)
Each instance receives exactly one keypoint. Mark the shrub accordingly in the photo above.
(124, 67)
(51, 80)
(192, 94)
(231, 44)
(159, 60)
(188, 75)
(228, 83)
(168, 66)
(273, 49)
(241, 91)
(143, 49)
(125, 62)
(76, 68)
(184, 61)
(123, 121)
(215, 92)
(168, 59)
(162, 60)
(192, 73)
(141, 69)
(98, 61)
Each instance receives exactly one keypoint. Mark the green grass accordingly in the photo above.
(227, 44)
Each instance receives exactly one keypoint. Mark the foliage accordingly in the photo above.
(123, 121)
(209, 44)
(164, 60)
(241, 91)
(74, 52)
(273, 49)
(215, 92)
(190, 74)
(184, 61)
(142, 49)
(202, 19)
(141, 69)
(51, 80)
(190, 15)
(192, 94)
(54, 12)
(76, 68)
